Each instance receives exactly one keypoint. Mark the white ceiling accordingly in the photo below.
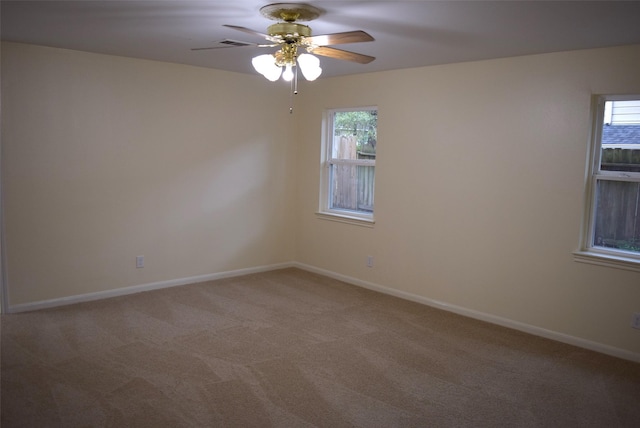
(407, 33)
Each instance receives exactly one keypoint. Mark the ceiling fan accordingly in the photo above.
(291, 37)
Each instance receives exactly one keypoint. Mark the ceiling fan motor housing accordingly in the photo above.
(289, 30)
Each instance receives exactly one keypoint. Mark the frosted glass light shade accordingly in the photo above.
(266, 65)
(287, 74)
(310, 66)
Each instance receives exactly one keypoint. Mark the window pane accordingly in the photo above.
(352, 187)
(355, 134)
(617, 215)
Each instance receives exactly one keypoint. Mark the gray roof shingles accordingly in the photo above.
(621, 134)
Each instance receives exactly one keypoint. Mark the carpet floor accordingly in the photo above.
(289, 348)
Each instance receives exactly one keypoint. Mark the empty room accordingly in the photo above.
(197, 229)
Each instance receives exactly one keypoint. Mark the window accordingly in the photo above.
(612, 226)
(349, 160)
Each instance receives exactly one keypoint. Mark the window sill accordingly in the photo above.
(344, 218)
(608, 260)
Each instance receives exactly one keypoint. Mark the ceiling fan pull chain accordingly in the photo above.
(291, 97)
(294, 88)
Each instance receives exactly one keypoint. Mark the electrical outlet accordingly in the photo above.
(369, 261)
(139, 261)
(635, 321)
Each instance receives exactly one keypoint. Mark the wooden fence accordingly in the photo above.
(620, 159)
(353, 187)
(352, 182)
(618, 215)
(618, 205)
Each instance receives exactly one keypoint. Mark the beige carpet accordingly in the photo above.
(293, 349)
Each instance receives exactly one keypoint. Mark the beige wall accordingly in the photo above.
(107, 158)
(479, 189)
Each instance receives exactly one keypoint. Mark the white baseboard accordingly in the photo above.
(516, 325)
(44, 304)
(493, 319)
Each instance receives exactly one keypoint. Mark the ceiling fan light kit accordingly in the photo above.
(270, 66)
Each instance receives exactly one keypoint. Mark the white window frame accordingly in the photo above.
(326, 159)
(588, 253)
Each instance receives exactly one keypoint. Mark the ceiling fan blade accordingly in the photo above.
(340, 54)
(339, 38)
(249, 31)
(225, 44)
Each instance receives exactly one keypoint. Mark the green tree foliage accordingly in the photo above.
(362, 124)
